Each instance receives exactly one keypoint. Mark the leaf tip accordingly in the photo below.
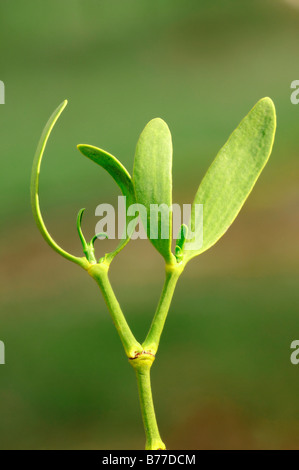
(157, 120)
(267, 102)
(63, 105)
(267, 99)
(157, 123)
(83, 148)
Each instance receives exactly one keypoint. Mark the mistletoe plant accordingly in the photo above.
(222, 192)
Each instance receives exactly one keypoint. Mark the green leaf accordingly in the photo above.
(123, 179)
(232, 175)
(152, 181)
(35, 186)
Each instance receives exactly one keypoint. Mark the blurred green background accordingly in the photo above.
(223, 378)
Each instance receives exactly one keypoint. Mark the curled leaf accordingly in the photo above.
(101, 235)
(34, 187)
(79, 229)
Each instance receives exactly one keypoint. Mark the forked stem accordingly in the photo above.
(141, 357)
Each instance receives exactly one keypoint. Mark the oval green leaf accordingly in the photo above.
(232, 175)
(152, 180)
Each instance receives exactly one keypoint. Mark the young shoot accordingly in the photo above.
(222, 193)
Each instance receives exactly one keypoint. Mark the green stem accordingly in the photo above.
(142, 366)
(141, 357)
(100, 273)
(152, 340)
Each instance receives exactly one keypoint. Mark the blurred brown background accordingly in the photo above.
(223, 378)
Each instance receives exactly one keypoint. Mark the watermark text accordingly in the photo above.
(2, 92)
(2, 353)
(295, 353)
(137, 221)
(295, 94)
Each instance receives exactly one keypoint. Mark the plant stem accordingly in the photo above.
(141, 357)
(100, 273)
(142, 366)
(152, 340)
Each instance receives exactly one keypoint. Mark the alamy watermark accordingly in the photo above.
(295, 354)
(2, 92)
(2, 353)
(295, 94)
(136, 221)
